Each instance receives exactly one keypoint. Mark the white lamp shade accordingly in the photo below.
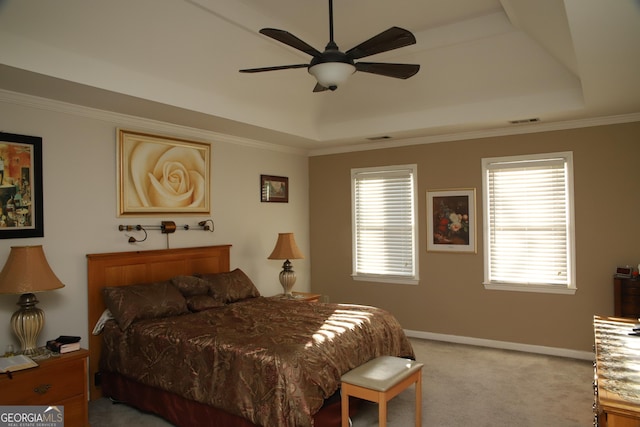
(332, 74)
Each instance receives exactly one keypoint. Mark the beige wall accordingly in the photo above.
(450, 298)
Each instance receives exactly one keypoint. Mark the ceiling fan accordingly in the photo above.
(333, 67)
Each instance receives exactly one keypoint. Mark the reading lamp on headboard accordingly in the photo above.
(166, 227)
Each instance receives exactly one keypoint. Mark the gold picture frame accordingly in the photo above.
(162, 175)
(451, 220)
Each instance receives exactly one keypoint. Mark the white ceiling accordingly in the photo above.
(483, 63)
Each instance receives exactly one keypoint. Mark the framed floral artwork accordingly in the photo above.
(20, 186)
(162, 175)
(274, 189)
(451, 220)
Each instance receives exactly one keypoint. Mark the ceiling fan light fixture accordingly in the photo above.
(332, 74)
(332, 67)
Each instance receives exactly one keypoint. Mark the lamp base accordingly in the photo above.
(287, 278)
(27, 323)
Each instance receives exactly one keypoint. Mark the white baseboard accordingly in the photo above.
(551, 351)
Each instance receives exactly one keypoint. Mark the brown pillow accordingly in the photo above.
(203, 302)
(145, 301)
(191, 285)
(231, 286)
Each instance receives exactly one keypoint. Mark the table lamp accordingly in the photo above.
(26, 272)
(286, 249)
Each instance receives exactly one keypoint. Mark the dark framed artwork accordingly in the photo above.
(20, 186)
(451, 220)
(162, 175)
(274, 189)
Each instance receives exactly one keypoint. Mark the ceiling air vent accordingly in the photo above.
(519, 122)
(378, 138)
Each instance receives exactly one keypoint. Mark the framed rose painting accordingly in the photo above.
(451, 220)
(162, 175)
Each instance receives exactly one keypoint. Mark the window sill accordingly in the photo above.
(544, 289)
(386, 279)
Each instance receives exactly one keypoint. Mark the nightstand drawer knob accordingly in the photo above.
(42, 388)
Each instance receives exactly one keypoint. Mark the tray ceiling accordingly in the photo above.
(484, 63)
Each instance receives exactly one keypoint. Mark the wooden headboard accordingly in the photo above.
(130, 268)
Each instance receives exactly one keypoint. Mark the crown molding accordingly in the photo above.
(139, 123)
(488, 133)
(150, 125)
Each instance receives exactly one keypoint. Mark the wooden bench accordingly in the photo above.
(380, 380)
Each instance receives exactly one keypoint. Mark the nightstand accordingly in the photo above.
(303, 296)
(57, 381)
(626, 297)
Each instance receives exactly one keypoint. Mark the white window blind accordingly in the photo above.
(528, 220)
(384, 226)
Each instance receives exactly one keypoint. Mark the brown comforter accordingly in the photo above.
(269, 360)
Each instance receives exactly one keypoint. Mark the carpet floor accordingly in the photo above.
(463, 386)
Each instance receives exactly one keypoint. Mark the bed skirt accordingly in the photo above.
(184, 412)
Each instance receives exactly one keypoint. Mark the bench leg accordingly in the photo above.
(345, 409)
(419, 400)
(382, 411)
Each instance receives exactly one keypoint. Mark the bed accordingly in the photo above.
(232, 357)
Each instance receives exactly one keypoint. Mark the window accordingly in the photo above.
(528, 223)
(384, 224)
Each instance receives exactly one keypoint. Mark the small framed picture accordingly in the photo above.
(274, 189)
(451, 220)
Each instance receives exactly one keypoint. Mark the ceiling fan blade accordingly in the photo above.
(399, 71)
(393, 38)
(278, 67)
(319, 88)
(290, 40)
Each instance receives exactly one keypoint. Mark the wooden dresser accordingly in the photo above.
(57, 381)
(626, 297)
(616, 373)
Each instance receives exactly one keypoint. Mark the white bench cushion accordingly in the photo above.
(381, 373)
